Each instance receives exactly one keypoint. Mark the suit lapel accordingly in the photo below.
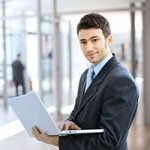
(91, 91)
(82, 89)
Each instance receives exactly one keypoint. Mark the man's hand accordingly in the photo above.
(69, 125)
(45, 137)
(54, 140)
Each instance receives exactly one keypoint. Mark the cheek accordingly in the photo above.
(83, 50)
(99, 45)
(106, 45)
(102, 46)
(101, 51)
(99, 48)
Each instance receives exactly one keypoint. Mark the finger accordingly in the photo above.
(66, 126)
(71, 126)
(36, 133)
(36, 130)
(63, 126)
(75, 127)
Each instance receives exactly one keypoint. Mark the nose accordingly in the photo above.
(89, 47)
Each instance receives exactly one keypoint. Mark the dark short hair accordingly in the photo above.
(94, 20)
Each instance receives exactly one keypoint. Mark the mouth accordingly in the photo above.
(91, 55)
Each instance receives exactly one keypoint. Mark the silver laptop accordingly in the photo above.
(32, 112)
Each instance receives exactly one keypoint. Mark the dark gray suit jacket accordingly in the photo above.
(109, 103)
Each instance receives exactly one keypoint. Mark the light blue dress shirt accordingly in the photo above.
(98, 67)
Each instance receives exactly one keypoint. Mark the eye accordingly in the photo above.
(94, 40)
(83, 42)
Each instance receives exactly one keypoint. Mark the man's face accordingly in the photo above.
(94, 45)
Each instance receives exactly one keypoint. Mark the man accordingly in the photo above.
(18, 71)
(109, 102)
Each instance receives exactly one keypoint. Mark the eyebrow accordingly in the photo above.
(90, 38)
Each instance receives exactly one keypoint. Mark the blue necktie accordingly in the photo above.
(89, 78)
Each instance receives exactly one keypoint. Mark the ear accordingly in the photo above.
(109, 40)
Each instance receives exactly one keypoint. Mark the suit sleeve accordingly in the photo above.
(118, 110)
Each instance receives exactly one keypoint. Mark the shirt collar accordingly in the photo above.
(100, 65)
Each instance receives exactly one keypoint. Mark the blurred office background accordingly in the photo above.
(44, 32)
